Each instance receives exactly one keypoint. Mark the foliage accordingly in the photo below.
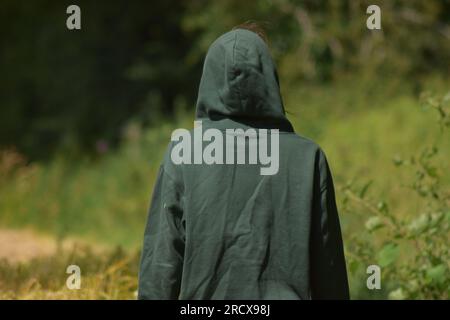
(105, 200)
(70, 90)
(412, 250)
(325, 39)
(67, 90)
(88, 197)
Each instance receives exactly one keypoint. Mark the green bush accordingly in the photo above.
(411, 250)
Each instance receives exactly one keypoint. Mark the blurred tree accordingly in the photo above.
(140, 59)
(62, 87)
(320, 40)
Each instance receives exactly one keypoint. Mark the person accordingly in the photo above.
(226, 231)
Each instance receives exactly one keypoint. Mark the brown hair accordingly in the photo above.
(254, 27)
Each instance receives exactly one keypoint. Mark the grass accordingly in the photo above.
(110, 275)
(106, 200)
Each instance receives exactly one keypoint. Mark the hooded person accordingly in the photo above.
(226, 231)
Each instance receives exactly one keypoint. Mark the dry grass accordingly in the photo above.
(37, 269)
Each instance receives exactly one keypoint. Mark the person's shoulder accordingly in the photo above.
(300, 140)
(305, 146)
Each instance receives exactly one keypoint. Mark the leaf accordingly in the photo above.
(413, 285)
(383, 207)
(431, 171)
(436, 274)
(437, 218)
(374, 223)
(420, 224)
(398, 161)
(446, 97)
(364, 189)
(388, 254)
(397, 294)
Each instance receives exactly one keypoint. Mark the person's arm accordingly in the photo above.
(162, 254)
(328, 270)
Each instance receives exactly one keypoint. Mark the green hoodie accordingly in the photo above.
(224, 231)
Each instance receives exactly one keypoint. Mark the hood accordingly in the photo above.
(240, 82)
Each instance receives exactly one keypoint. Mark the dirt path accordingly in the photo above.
(22, 245)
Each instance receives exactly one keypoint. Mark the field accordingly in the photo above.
(92, 212)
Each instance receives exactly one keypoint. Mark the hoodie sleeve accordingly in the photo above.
(328, 270)
(163, 248)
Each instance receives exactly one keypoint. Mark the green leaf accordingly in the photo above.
(446, 97)
(437, 218)
(420, 224)
(413, 285)
(437, 273)
(374, 223)
(431, 171)
(398, 161)
(388, 254)
(397, 294)
(364, 189)
(383, 207)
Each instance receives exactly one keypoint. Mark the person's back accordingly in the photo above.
(226, 226)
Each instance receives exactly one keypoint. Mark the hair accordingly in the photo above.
(254, 27)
